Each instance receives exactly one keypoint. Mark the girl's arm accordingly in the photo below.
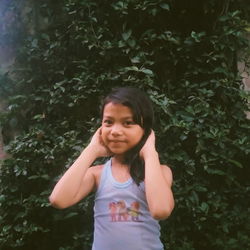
(79, 180)
(158, 182)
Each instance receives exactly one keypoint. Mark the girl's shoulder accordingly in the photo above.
(96, 171)
(166, 168)
(167, 172)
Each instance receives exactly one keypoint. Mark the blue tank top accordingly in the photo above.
(122, 217)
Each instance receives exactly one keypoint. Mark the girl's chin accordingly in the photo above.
(117, 152)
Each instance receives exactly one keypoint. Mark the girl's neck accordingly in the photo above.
(118, 161)
(120, 171)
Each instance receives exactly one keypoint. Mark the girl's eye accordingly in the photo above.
(107, 122)
(127, 123)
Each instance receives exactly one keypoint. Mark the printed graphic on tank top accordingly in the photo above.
(122, 218)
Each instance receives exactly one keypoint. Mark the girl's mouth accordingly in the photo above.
(115, 141)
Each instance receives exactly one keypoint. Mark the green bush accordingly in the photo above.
(184, 55)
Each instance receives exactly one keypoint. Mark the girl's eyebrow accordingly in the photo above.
(124, 118)
(107, 117)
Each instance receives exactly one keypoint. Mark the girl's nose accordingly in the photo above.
(116, 130)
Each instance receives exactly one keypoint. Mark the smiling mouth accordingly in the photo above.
(116, 141)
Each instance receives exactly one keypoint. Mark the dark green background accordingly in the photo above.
(184, 54)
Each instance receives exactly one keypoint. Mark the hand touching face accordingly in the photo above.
(97, 144)
(149, 146)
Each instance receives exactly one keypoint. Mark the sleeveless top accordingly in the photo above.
(122, 218)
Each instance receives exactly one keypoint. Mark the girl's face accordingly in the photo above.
(119, 131)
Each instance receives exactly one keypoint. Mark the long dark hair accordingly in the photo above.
(143, 115)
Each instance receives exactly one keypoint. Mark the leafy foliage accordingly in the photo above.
(183, 54)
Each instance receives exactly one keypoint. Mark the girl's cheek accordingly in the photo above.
(103, 136)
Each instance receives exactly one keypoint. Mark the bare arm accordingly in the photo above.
(158, 182)
(79, 180)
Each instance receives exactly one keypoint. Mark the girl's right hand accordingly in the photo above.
(97, 145)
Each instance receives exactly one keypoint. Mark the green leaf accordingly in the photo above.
(236, 163)
(126, 35)
(164, 6)
(147, 71)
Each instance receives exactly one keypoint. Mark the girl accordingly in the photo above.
(133, 190)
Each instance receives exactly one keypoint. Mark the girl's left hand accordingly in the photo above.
(149, 146)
